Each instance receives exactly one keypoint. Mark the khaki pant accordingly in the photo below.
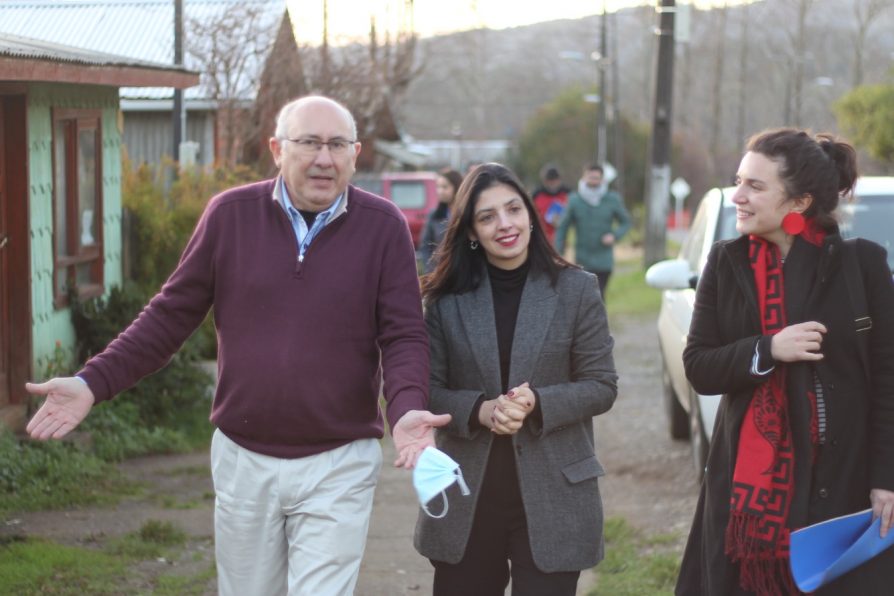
(291, 526)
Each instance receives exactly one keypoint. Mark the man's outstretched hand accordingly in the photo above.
(68, 401)
(413, 433)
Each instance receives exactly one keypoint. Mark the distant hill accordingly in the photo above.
(485, 84)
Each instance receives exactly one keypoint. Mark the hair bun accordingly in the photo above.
(844, 157)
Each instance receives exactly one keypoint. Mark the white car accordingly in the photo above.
(691, 414)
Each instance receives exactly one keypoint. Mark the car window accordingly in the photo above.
(693, 245)
(870, 217)
(408, 194)
(726, 227)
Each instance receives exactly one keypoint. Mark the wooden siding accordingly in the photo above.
(50, 325)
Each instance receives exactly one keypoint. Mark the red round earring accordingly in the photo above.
(793, 223)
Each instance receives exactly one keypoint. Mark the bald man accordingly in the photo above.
(316, 301)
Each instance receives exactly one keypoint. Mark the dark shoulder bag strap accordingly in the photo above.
(857, 293)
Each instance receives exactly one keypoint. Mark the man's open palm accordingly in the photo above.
(413, 433)
(68, 401)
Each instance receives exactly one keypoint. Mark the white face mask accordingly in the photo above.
(434, 472)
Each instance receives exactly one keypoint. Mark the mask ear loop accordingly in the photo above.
(463, 487)
(443, 513)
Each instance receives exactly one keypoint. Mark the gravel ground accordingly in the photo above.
(649, 481)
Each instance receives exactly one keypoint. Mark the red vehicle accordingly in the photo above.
(413, 193)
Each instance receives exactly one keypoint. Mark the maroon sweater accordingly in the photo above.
(299, 343)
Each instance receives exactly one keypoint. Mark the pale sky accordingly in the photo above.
(349, 19)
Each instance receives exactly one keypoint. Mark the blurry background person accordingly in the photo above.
(522, 359)
(446, 186)
(550, 199)
(600, 219)
(805, 429)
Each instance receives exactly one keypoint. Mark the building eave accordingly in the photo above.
(38, 69)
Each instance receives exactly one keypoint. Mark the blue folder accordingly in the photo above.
(829, 549)
(553, 213)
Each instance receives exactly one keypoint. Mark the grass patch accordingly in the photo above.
(54, 475)
(41, 567)
(38, 567)
(628, 293)
(635, 564)
(155, 539)
(179, 585)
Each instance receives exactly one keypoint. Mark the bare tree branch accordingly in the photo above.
(230, 51)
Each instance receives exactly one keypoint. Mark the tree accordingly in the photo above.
(230, 50)
(797, 59)
(282, 79)
(866, 114)
(866, 13)
(563, 132)
(717, 98)
(369, 79)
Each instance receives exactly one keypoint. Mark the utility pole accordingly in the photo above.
(659, 174)
(617, 122)
(178, 113)
(325, 71)
(601, 136)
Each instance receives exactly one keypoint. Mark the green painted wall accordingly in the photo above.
(48, 324)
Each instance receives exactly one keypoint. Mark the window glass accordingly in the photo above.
(726, 227)
(408, 194)
(60, 141)
(870, 217)
(692, 246)
(77, 211)
(87, 155)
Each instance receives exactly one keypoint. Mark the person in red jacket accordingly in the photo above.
(317, 307)
(550, 199)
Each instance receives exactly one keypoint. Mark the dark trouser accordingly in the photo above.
(602, 276)
(499, 535)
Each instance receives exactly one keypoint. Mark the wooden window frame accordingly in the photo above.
(76, 121)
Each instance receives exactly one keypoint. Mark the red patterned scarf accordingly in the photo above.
(763, 481)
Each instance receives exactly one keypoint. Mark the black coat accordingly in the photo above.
(858, 453)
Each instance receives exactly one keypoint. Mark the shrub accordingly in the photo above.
(162, 212)
(147, 417)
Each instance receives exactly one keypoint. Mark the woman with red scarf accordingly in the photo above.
(805, 363)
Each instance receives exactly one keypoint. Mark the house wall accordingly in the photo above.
(50, 324)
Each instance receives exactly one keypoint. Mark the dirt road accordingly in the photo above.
(650, 482)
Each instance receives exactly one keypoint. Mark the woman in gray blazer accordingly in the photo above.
(522, 359)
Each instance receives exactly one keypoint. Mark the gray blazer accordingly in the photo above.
(563, 348)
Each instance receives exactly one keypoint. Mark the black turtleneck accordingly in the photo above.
(500, 487)
(507, 287)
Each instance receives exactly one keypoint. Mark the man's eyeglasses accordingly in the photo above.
(336, 146)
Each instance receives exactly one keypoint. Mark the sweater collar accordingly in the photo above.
(342, 200)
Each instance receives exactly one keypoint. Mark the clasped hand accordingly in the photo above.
(506, 414)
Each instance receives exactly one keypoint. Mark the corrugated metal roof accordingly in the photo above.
(138, 29)
(23, 47)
